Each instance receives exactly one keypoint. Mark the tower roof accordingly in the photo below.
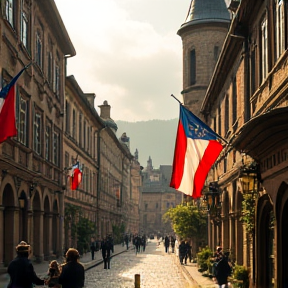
(207, 11)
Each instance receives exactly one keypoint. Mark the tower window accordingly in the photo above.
(192, 67)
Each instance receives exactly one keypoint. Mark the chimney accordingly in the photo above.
(105, 110)
(90, 97)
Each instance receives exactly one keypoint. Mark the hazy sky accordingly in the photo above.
(128, 53)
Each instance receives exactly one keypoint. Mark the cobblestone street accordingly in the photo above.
(156, 269)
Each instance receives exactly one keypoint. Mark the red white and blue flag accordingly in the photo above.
(7, 109)
(76, 176)
(196, 150)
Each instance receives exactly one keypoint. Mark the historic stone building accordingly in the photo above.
(81, 127)
(157, 198)
(247, 104)
(57, 124)
(31, 179)
(202, 34)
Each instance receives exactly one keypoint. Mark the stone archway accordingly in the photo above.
(264, 242)
(10, 224)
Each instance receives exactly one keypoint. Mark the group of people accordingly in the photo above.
(68, 275)
(185, 252)
(139, 242)
(169, 241)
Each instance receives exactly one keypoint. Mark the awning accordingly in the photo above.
(263, 133)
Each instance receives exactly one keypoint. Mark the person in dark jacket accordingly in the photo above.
(73, 274)
(222, 271)
(182, 251)
(188, 252)
(93, 249)
(106, 248)
(21, 270)
(166, 243)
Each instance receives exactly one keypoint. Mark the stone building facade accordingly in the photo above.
(57, 124)
(31, 183)
(247, 104)
(157, 198)
(108, 195)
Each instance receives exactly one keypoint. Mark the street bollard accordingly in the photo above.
(137, 280)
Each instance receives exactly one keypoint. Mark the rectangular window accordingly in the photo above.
(50, 67)
(253, 72)
(234, 101)
(38, 50)
(264, 49)
(279, 28)
(24, 29)
(80, 131)
(192, 67)
(9, 11)
(74, 124)
(66, 159)
(37, 132)
(56, 148)
(85, 135)
(67, 117)
(48, 143)
(22, 118)
(57, 80)
(226, 114)
(219, 120)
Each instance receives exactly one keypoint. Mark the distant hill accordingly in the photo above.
(154, 138)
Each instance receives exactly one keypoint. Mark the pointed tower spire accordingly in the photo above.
(207, 11)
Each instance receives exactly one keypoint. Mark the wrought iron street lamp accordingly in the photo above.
(249, 178)
(212, 196)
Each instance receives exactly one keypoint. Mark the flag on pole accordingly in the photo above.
(196, 149)
(76, 176)
(7, 109)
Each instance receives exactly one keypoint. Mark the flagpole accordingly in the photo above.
(176, 99)
(220, 137)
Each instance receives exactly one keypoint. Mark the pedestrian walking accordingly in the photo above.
(106, 248)
(72, 274)
(188, 252)
(222, 271)
(182, 251)
(126, 240)
(166, 243)
(177, 247)
(93, 249)
(218, 255)
(21, 270)
(143, 242)
(172, 241)
(53, 275)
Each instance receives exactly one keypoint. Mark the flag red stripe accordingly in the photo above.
(179, 157)
(7, 116)
(210, 156)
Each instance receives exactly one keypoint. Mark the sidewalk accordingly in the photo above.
(42, 268)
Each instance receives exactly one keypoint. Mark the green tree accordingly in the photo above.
(187, 221)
